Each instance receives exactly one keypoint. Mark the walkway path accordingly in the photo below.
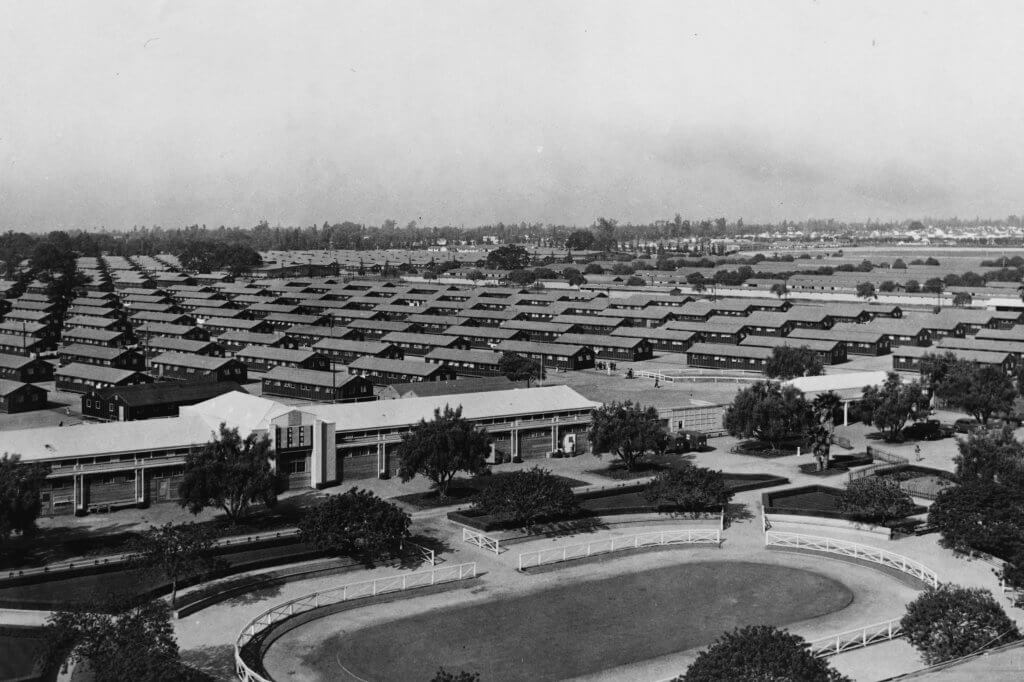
(206, 638)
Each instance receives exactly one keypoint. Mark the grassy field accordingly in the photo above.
(578, 628)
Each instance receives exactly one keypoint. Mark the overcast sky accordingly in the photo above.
(297, 112)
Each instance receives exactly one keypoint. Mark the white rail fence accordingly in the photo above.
(482, 541)
(694, 378)
(425, 553)
(853, 550)
(367, 588)
(856, 638)
(684, 536)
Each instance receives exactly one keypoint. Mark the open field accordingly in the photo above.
(576, 629)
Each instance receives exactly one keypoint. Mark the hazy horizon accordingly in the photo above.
(177, 113)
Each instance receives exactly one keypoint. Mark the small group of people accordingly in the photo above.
(607, 365)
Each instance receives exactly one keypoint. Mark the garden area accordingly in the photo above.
(869, 499)
(120, 583)
(462, 490)
(919, 481)
(687, 490)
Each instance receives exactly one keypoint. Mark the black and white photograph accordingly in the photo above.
(520, 341)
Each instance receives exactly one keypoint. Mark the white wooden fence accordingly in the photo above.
(853, 550)
(683, 536)
(856, 638)
(482, 541)
(367, 588)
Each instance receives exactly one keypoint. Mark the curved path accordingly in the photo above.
(206, 637)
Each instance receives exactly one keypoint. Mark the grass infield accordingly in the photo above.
(577, 628)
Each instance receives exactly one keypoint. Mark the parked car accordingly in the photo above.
(966, 425)
(930, 429)
(686, 441)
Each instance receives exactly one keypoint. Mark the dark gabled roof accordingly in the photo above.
(86, 350)
(8, 387)
(819, 345)
(168, 392)
(254, 338)
(481, 332)
(483, 357)
(79, 370)
(560, 349)
(189, 360)
(271, 353)
(367, 347)
(310, 377)
(424, 389)
(411, 367)
(729, 350)
(606, 340)
(93, 333)
(177, 343)
(655, 333)
(232, 323)
(16, 361)
(434, 340)
(169, 329)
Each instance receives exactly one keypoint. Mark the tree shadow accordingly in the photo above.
(211, 662)
(53, 545)
(565, 528)
(266, 589)
(737, 511)
(411, 558)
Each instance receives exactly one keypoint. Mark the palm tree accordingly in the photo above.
(824, 407)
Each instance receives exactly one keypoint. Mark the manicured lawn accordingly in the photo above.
(127, 583)
(19, 649)
(575, 629)
(812, 500)
(462, 490)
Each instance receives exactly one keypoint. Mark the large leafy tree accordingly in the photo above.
(876, 499)
(866, 290)
(891, 405)
(992, 455)
(962, 299)
(788, 362)
(519, 368)
(132, 645)
(689, 488)
(20, 503)
(508, 257)
(949, 621)
(522, 277)
(628, 430)
(231, 473)
(980, 515)
(356, 523)
(604, 235)
(441, 448)
(526, 497)
(768, 412)
(935, 367)
(580, 240)
(978, 390)
(758, 653)
(178, 551)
